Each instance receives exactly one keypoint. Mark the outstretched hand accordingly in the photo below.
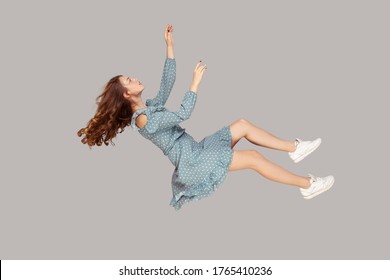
(197, 78)
(198, 72)
(168, 35)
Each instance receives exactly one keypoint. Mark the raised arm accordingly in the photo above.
(160, 118)
(169, 41)
(169, 72)
(165, 119)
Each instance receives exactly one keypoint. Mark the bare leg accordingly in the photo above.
(251, 159)
(243, 128)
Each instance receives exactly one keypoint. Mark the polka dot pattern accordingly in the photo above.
(200, 167)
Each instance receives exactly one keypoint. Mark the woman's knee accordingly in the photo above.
(240, 127)
(245, 159)
(243, 122)
(254, 158)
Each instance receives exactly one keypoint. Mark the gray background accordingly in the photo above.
(302, 69)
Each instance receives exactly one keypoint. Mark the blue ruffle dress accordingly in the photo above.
(200, 167)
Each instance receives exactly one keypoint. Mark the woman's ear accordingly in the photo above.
(126, 94)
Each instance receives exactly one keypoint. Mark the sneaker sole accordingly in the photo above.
(298, 159)
(320, 192)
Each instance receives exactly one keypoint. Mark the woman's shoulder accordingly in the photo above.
(141, 120)
(147, 114)
(139, 117)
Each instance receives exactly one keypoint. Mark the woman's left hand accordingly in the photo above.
(168, 35)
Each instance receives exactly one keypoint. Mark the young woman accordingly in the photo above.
(200, 167)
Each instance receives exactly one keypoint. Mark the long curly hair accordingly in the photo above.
(112, 115)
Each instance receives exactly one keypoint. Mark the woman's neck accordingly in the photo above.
(137, 104)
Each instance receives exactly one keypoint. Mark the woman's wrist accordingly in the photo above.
(194, 87)
(170, 53)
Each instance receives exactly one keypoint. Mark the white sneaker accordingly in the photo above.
(303, 149)
(318, 185)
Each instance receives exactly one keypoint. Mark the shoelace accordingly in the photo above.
(296, 143)
(312, 179)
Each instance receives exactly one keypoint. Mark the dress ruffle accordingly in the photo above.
(209, 185)
(150, 127)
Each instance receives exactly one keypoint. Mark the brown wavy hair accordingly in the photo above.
(113, 114)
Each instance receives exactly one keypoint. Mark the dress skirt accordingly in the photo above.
(201, 166)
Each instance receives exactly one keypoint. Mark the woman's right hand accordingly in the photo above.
(198, 74)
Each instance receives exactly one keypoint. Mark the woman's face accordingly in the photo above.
(132, 85)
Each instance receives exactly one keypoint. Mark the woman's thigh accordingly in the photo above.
(245, 159)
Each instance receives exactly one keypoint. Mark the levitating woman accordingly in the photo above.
(200, 167)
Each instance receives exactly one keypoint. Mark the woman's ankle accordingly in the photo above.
(306, 183)
(292, 146)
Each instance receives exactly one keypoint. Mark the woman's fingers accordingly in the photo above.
(198, 72)
(198, 67)
(169, 28)
(168, 34)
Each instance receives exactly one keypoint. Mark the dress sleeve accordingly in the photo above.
(164, 119)
(166, 85)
